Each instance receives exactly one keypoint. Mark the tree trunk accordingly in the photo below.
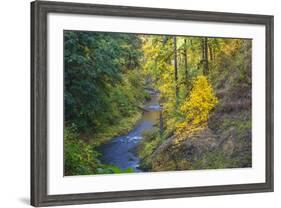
(203, 51)
(185, 62)
(176, 68)
(206, 67)
(187, 87)
(211, 53)
(161, 125)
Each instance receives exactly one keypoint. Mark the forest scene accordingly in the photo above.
(147, 103)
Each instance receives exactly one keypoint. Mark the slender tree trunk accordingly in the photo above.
(176, 68)
(161, 125)
(203, 51)
(206, 55)
(185, 61)
(211, 53)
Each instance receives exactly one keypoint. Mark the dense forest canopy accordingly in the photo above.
(100, 69)
(204, 87)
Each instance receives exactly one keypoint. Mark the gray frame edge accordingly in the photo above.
(38, 192)
(38, 187)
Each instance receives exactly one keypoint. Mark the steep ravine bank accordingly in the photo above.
(204, 149)
(225, 142)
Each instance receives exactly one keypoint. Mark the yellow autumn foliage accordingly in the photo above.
(196, 108)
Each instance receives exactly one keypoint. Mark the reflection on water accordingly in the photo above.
(121, 150)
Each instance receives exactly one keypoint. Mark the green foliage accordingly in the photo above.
(150, 142)
(147, 96)
(213, 160)
(102, 85)
(122, 127)
(241, 126)
(108, 169)
(219, 159)
(95, 64)
(79, 157)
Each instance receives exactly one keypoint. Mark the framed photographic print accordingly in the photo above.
(131, 103)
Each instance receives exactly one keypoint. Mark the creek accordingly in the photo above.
(120, 151)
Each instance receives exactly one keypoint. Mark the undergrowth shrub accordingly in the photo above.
(80, 158)
(196, 108)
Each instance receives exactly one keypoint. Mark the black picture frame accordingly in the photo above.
(39, 12)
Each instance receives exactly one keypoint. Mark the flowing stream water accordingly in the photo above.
(121, 150)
